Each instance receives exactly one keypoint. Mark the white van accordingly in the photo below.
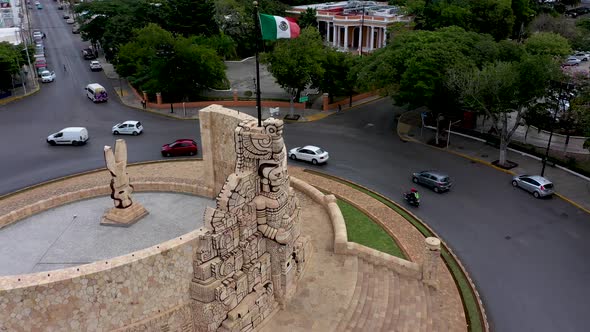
(96, 92)
(70, 135)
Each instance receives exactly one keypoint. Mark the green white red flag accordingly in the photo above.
(275, 27)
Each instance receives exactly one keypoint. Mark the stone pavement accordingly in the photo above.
(571, 187)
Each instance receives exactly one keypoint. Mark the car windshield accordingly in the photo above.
(319, 151)
(548, 186)
(445, 179)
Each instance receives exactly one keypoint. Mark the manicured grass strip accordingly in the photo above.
(474, 321)
(363, 230)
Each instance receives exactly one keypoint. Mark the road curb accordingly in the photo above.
(17, 98)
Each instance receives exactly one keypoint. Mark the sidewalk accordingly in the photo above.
(571, 187)
(131, 99)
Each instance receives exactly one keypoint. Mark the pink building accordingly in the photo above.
(355, 26)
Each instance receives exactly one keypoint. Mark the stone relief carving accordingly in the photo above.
(248, 261)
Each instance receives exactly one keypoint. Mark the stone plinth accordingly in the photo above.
(124, 217)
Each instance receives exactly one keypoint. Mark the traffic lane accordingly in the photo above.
(28, 159)
(474, 229)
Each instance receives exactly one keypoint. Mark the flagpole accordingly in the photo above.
(258, 33)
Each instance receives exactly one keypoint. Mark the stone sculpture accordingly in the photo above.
(248, 261)
(125, 212)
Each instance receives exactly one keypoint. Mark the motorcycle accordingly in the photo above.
(411, 199)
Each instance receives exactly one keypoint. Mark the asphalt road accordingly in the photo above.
(527, 256)
(28, 159)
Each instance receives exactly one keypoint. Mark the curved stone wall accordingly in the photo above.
(101, 296)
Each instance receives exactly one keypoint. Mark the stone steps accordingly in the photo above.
(385, 301)
(354, 301)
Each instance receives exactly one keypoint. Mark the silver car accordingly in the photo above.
(536, 184)
(436, 180)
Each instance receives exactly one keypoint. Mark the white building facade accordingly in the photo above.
(355, 26)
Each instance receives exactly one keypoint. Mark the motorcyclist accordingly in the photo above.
(414, 195)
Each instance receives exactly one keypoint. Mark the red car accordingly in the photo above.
(180, 147)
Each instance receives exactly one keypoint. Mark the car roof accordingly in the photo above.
(537, 178)
(436, 173)
(73, 129)
(312, 147)
(184, 140)
(130, 121)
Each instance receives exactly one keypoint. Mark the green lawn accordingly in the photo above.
(362, 230)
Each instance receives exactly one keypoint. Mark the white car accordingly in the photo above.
(95, 65)
(47, 76)
(128, 127)
(310, 153)
(582, 56)
(70, 21)
(572, 61)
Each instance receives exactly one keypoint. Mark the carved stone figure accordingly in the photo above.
(125, 212)
(117, 165)
(250, 258)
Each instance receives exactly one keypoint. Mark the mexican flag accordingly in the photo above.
(275, 27)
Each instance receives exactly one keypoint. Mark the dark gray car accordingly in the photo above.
(436, 180)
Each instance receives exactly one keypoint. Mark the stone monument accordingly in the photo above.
(126, 212)
(247, 263)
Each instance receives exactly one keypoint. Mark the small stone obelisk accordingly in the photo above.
(126, 212)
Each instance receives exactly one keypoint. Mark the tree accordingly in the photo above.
(502, 88)
(335, 79)
(11, 61)
(413, 67)
(190, 18)
(157, 61)
(494, 17)
(295, 62)
(308, 18)
(547, 43)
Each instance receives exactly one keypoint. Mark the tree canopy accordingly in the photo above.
(157, 61)
(295, 62)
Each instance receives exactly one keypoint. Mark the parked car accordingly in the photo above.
(582, 56)
(180, 147)
(70, 21)
(41, 69)
(128, 127)
(66, 16)
(95, 66)
(70, 135)
(535, 184)
(47, 76)
(88, 54)
(39, 6)
(310, 153)
(60, 7)
(436, 180)
(37, 35)
(75, 28)
(572, 61)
